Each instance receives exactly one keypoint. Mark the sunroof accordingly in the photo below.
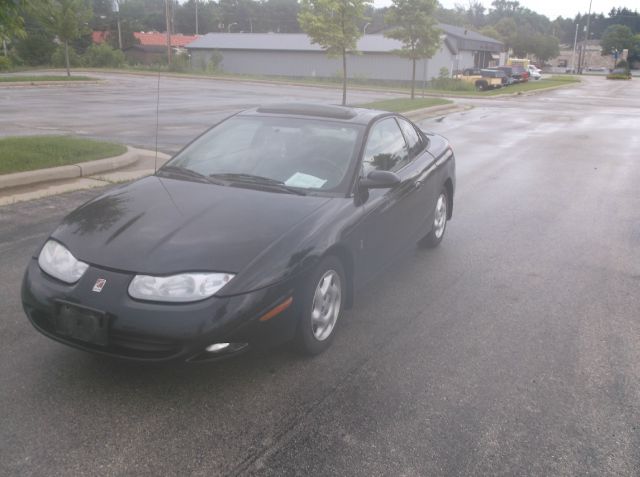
(320, 110)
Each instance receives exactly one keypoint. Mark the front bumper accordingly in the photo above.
(147, 331)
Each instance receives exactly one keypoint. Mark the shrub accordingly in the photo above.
(103, 56)
(5, 63)
(35, 49)
(215, 60)
(623, 64)
(618, 76)
(179, 63)
(57, 59)
(443, 81)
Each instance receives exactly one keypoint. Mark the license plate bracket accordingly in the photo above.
(82, 324)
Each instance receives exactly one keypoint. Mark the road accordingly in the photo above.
(123, 107)
(512, 349)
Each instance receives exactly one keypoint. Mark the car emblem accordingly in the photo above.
(100, 283)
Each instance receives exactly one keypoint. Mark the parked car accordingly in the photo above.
(512, 77)
(257, 232)
(520, 73)
(534, 72)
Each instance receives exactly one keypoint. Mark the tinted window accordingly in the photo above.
(413, 140)
(386, 148)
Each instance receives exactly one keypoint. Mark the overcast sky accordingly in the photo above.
(550, 8)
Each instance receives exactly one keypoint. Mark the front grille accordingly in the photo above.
(143, 346)
(120, 344)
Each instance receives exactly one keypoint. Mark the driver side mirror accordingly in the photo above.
(380, 180)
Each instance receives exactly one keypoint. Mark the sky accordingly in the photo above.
(550, 8)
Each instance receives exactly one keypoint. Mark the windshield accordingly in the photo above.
(300, 153)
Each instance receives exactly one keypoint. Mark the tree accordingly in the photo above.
(508, 31)
(634, 52)
(491, 32)
(11, 23)
(334, 25)
(414, 25)
(67, 20)
(185, 17)
(616, 38)
(545, 47)
(281, 16)
(36, 46)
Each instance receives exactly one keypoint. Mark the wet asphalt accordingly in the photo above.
(122, 107)
(512, 349)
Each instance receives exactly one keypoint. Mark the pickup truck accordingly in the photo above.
(483, 79)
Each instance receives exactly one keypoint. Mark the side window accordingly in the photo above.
(386, 148)
(413, 139)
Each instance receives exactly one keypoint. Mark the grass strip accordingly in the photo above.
(28, 153)
(402, 105)
(43, 78)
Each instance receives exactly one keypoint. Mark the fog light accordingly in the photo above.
(225, 347)
(216, 347)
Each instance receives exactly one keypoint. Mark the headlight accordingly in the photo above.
(178, 288)
(56, 260)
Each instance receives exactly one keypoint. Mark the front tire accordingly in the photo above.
(322, 305)
(433, 238)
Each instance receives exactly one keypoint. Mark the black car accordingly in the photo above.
(257, 232)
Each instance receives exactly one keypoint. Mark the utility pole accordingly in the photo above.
(196, 16)
(586, 40)
(573, 55)
(168, 22)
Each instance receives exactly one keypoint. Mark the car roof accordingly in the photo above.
(319, 111)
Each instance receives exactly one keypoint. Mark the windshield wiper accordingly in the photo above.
(184, 172)
(258, 180)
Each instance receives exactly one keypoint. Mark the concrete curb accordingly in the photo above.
(31, 84)
(73, 171)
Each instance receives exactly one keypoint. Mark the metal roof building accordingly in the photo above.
(293, 55)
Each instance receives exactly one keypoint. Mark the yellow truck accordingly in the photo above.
(484, 79)
(524, 62)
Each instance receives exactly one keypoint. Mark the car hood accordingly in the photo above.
(163, 226)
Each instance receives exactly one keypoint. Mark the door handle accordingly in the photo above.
(418, 184)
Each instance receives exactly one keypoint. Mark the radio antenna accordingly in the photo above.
(155, 162)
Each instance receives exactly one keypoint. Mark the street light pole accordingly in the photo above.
(116, 9)
(364, 30)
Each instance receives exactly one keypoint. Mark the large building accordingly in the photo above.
(589, 52)
(293, 55)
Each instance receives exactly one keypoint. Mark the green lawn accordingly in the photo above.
(531, 85)
(401, 105)
(38, 78)
(18, 154)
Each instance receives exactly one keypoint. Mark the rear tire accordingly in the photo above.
(433, 238)
(322, 303)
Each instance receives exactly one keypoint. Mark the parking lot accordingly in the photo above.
(122, 107)
(512, 349)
